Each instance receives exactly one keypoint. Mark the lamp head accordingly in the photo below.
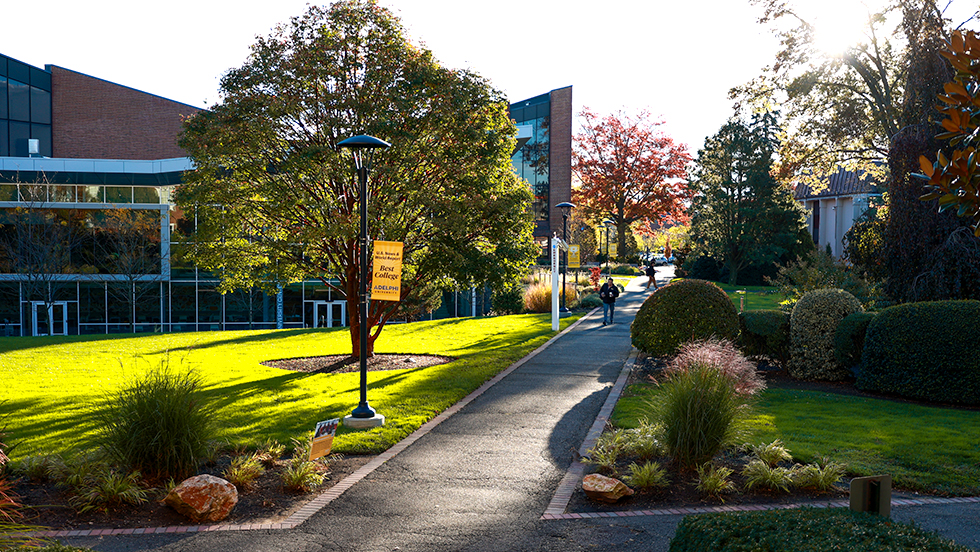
(566, 208)
(362, 142)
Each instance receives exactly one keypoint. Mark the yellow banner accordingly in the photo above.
(613, 249)
(574, 259)
(387, 280)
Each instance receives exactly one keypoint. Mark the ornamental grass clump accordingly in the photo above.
(723, 355)
(702, 410)
(159, 425)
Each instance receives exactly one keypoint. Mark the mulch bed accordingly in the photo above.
(267, 502)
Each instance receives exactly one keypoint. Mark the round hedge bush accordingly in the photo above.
(924, 351)
(813, 325)
(685, 310)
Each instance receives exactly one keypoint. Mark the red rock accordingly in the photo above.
(203, 498)
(604, 489)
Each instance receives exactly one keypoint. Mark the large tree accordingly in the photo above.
(741, 215)
(629, 171)
(844, 107)
(275, 198)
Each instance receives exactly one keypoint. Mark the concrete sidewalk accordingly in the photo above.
(483, 477)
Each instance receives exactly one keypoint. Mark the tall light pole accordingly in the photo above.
(607, 224)
(362, 147)
(566, 210)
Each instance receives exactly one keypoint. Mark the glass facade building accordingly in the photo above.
(543, 157)
(25, 108)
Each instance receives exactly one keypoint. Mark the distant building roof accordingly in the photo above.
(842, 182)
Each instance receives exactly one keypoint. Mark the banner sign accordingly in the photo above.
(387, 281)
(323, 438)
(613, 249)
(574, 259)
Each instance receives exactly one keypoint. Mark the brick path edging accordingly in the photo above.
(315, 505)
(570, 482)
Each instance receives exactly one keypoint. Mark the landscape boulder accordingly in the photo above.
(203, 498)
(604, 489)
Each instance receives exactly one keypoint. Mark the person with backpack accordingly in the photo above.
(608, 293)
(651, 273)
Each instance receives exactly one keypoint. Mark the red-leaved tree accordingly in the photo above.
(629, 171)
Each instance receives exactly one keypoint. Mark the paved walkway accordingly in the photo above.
(491, 476)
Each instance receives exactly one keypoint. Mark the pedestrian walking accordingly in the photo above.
(608, 293)
(651, 273)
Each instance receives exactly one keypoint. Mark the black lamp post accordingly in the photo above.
(362, 147)
(566, 210)
(607, 224)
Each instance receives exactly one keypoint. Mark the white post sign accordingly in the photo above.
(556, 246)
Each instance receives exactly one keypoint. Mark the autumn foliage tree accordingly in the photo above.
(275, 198)
(629, 171)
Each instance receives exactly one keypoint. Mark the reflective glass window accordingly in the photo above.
(4, 140)
(19, 134)
(143, 194)
(148, 302)
(120, 302)
(40, 79)
(63, 194)
(91, 194)
(208, 304)
(18, 101)
(43, 134)
(183, 303)
(119, 194)
(8, 192)
(40, 106)
(3, 97)
(18, 71)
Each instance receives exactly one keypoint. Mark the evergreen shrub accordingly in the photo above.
(924, 351)
(849, 338)
(765, 333)
(813, 325)
(508, 299)
(803, 529)
(685, 310)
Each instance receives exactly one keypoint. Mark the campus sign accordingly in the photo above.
(387, 276)
(574, 259)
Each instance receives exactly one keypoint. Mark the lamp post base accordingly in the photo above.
(377, 420)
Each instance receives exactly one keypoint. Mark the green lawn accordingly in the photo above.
(52, 384)
(924, 448)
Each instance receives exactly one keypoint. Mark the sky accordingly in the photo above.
(675, 59)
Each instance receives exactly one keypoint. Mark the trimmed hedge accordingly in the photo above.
(682, 311)
(924, 351)
(765, 333)
(849, 338)
(803, 530)
(812, 327)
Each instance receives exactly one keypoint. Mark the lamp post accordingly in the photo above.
(607, 224)
(566, 210)
(362, 148)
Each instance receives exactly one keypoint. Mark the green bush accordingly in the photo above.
(765, 333)
(508, 300)
(590, 301)
(685, 310)
(924, 351)
(803, 530)
(813, 325)
(849, 338)
(158, 425)
(702, 413)
(626, 270)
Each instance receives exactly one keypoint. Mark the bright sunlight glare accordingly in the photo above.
(839, 24)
